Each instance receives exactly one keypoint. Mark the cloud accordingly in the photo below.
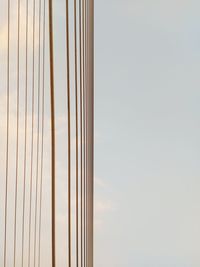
(100, 183)
(14, 28)
(12, 169)
(104, 206)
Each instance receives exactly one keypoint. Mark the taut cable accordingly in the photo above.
(32, 135)
(17, 130)
(7, 135)
(52, 132)
(42, 142)
(25, 127)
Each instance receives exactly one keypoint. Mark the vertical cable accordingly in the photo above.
(25, 128)
(81, 124)
(84, 125)
(69, 133)
(85, 22)
(42, 142)
(32, 133)
(85, 106)
(17, 130)
(90, 129)
(52, 130)
(76, 115)
(38, 136)
(7, 135)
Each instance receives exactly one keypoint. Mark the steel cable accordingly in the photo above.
(81, 124)
(25, 128)
(69, 133)
(32, 134)
(38, 136)
(7, 135)
(42, 142)
(76, 122)
(17, 128)
(52, 132)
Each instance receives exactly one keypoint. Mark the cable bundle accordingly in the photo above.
(33, 89)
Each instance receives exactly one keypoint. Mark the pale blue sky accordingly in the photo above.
(148, 126)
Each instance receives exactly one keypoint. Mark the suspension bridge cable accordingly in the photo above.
(7, 134)
(81, 124)
(90, 128)
(83, 79)
(69, 133)
(32, 134)
(38, 134)
(84, 127)
(25, 128)
(17, 128)
(42, 142)
(86, 148)
(52, 131)
(76, 122)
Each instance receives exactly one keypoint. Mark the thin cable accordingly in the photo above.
(81, 124)
(7, 135)
(84, 123)
(38, 137)
(85, 111)
(76, 115)
(90, 128)
(17, 131)
(52, 131)
(86, 129)
(42, 142)
(69, 133)
(25, 138)
(32, 134)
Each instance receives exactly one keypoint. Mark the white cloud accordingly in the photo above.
(14, 28)
(100, 183)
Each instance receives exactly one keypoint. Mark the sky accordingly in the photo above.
(147, 120)
(147, 128)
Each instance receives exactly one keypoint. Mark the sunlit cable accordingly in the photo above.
(51, 55)
(81, 123)
(17, 128)
(38, 135)
(42, 141)
(76, 122)
(32, 134)
(7, 134)
(69, 133)
(25, 128)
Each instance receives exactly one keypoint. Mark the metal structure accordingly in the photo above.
(36, 20)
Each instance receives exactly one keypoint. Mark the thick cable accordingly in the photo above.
(51, 57)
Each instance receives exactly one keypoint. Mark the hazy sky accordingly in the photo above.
(147, 128)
